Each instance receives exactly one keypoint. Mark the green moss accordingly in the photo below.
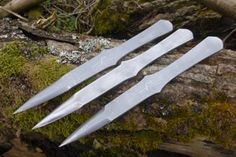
(32, 51)
(155, 124)
(107, 20)
(60, 129)
(218, 123)
(44, 72)
(215, 121)
(12, 57)
(128, 125)
(34, 14)
(10, 61)
(142, 141)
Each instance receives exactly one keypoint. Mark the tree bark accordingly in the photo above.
(18, 6)
(225, 7)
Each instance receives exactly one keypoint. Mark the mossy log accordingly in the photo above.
(201, 101)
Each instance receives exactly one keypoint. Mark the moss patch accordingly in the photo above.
(108, 19)
(13, 57)
(34, 13)
(216, 121)
(44, 72)
(142, 141)
(10, 61)
(61, 129)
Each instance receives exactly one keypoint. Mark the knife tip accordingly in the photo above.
(37, 126)
(19, 110)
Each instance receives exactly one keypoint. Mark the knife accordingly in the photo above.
(148, 86)
(107, 58)
(125, 71)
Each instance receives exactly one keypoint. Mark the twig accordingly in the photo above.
(46, 35)
(90, 30)
(15, 14)
(229, 35)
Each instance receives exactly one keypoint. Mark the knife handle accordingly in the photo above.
(158, 29)
(206, 48)
(175, 40)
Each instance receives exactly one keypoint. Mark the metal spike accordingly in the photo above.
(97, 122)
(125, 71)
(106, 59)
(147, 87)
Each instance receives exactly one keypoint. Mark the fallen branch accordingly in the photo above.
(18, 6)
(199, 146)
(225, 7)
(13, 13)
(46, 35)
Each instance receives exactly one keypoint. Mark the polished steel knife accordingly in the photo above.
(107, 58)
(125, 71)
(148, 86)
